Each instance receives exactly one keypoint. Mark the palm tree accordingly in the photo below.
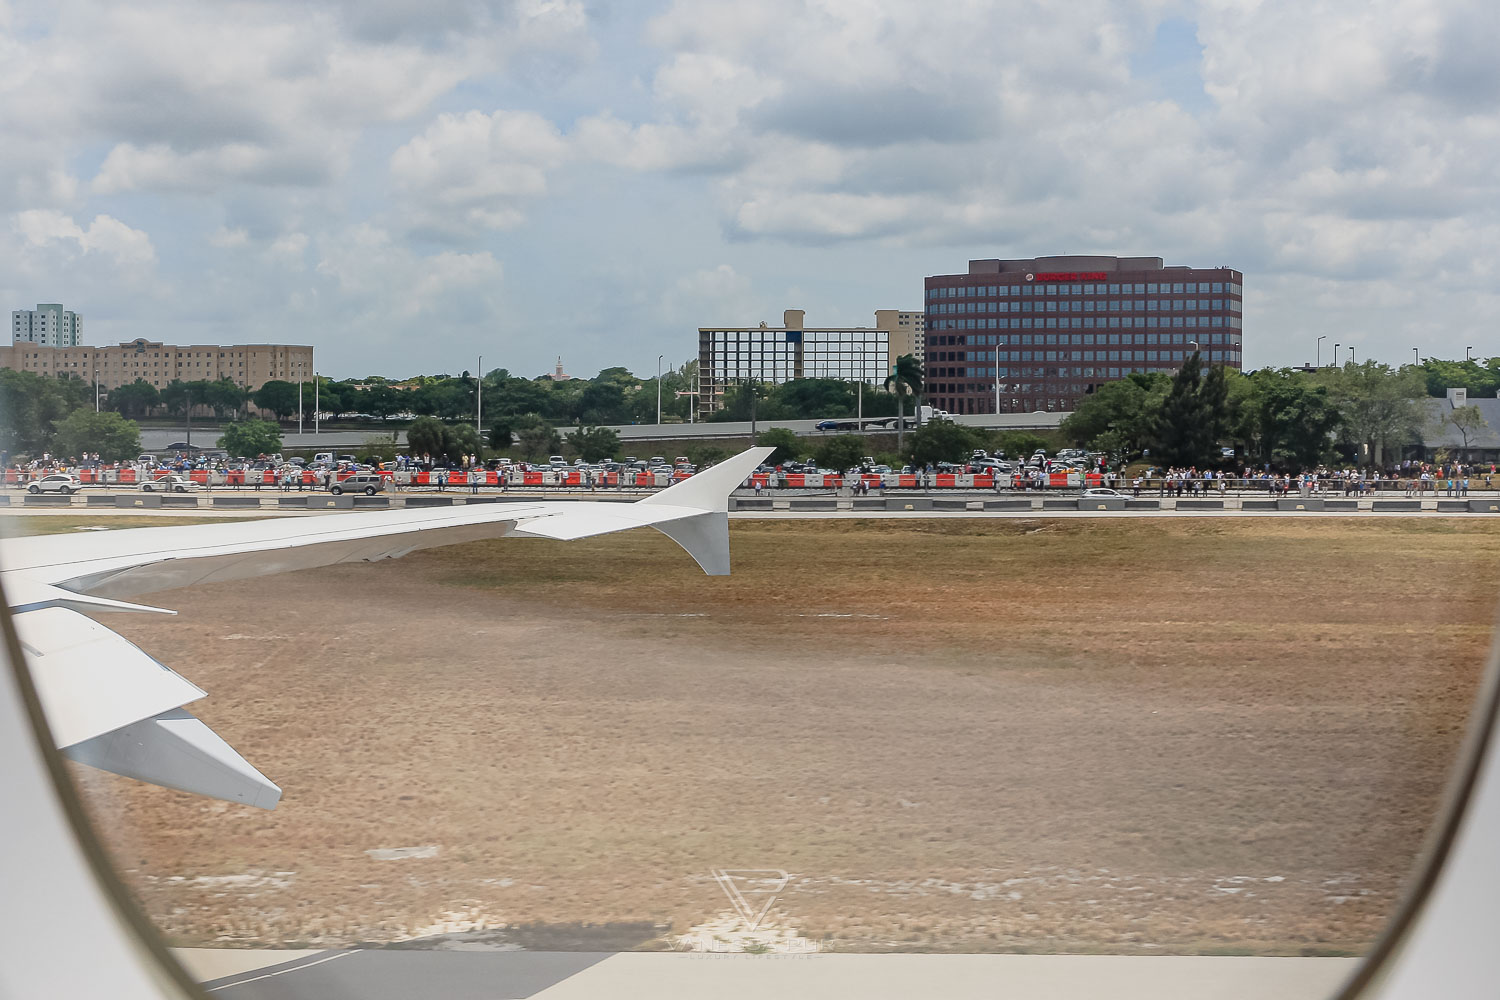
(905, 379)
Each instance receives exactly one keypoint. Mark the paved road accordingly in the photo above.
(450, 975)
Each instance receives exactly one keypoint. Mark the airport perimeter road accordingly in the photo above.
(451, 975)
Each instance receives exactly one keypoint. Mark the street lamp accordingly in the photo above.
(1319, 350)
(96, 390)
(658, 388)
(1335, 355)
(479, 402)
(1468, 353)
(1351, 354)
(299, 402)
(997, 380)
(1416, 355)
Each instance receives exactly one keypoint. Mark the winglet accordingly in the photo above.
(709, 490)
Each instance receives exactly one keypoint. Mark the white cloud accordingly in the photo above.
(711, 295)
(105, 235)
(470, 172)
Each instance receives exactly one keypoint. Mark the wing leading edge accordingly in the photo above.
(112, 706)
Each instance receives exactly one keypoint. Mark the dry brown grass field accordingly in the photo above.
(1174, 735)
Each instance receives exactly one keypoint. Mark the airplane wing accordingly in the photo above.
(111, 705)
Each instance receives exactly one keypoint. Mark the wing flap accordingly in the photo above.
(176, 750)
(90, 680)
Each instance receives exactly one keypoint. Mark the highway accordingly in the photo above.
(157, 439)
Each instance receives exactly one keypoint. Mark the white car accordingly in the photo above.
(170, 484)
(1103, 491)
(57, 483)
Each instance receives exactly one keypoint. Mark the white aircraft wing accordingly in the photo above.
(113, 706)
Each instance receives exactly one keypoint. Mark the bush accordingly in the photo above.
(841, 452)
(109, 434)
(786, 443)
(248, 438)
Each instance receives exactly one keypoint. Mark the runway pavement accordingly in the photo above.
(400, 974)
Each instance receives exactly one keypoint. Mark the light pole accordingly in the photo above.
(1351, 354)
(658, 388)
(1468, 353)
(997, 380)
(479, 402)
(317, 405)
(1320, 350)
(1335, 355)
(96, 390)
(300, 375)
(1416, 356)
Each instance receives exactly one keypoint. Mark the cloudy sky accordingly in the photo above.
(409, 185)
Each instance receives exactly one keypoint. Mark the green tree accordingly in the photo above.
(223, 395)
(425, 437)
(815, 398)
(460, 440)
(1191, 417)
(785, 441)
(840, 452)
(536, 441)
(1288, 421)
(381, 401)
(706, 454)
(249, 438)
(1118, 416)
(602, 403)
(502, 433)
(30, 404)
(941, 441)
(594, 444)
(1480, 380)
(278, 397)
(109, 434)
(1379, 406)
(134, 399)
(904, 380)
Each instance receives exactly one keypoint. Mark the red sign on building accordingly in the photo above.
(1071, 276)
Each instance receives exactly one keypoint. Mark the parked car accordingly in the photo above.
(368, 483)
(170, 484)
(57, 483)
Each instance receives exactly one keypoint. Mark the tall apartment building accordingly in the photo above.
(49, 324)
(248, 365)
(1049, 330)
(776, 354)
(906, 332)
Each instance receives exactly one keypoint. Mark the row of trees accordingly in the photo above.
(1286, 418)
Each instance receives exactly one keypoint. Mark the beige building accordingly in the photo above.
(728, 356)
(247, 365)
(906, 332)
